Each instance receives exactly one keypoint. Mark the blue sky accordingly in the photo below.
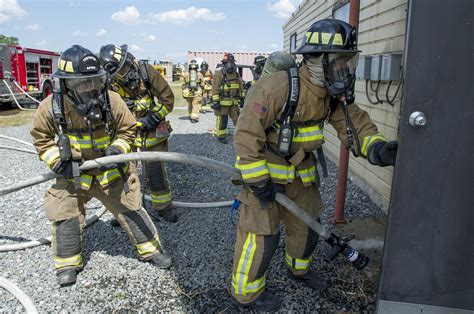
(154, 29)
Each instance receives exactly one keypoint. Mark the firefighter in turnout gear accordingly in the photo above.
(150, 99)
(280, 126)
(192, 90)
(82, 121)
(259, 63)
(206, 92)
(227, 96)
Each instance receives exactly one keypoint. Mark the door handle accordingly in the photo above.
(417, 119)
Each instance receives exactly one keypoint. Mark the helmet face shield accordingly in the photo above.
(86, 90)
(340, 72)
(229, 66)
(128, 75)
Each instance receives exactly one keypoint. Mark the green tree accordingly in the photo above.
(8, 40)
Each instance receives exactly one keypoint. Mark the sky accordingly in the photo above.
(152, 29)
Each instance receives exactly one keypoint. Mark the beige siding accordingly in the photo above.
(381, 30)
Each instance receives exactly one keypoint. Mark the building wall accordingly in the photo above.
(381, 30)
(215, 57)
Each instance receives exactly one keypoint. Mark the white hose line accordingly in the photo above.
(24, 150)
(181, 158)
(34, 243)
(16, 140)
(20, 295)
(28, 95)
(14, 98)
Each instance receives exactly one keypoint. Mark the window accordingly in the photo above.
(293, 43)
(341, 12)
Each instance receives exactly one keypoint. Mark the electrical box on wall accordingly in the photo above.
(375, 68)
(391, 64)
(363, 68)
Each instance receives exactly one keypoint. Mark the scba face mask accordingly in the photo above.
(88, 95)
(129, 75)
(229, 66)
(339, 73)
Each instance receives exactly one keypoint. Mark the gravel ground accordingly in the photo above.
(201, 244)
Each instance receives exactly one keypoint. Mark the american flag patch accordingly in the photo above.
(259, 108)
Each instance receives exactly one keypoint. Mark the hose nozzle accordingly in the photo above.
(340, 245)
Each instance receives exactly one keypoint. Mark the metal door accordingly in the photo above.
(428, 262)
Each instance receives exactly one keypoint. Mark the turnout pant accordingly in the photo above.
(65, 208)
(222, 118)
(206, 101)
(258, 235)
(194, 106)
(157, 178)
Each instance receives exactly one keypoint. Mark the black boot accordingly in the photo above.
(161, 261)
(67, 277)
(266, 302)
(168, 214)
(114, 222)
(222, 140)
(311, 279)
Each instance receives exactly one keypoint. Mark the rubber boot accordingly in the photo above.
(114, 222)
(311, 279)
(222, 140)
(194, 120)
(67, 277)
(168, 214)
(161, 261)
(266, 302)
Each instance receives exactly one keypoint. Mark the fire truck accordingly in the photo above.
(26, 70)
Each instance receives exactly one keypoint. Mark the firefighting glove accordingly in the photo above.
(64, 169)
(383, 153)
(242, 102)
(149, 122)
(216, 106)
(265, 191)
(111, 151)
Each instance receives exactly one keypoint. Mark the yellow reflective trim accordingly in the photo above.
(161, 110)
(369, 140)
(229, 102)
(252, 165)
(245, 262)
(149, 141)
(337, 39)
(73, 261)
(109, 176)
(148, 247)
(297, 263)
(85, 142)
(124, 146)
(307, 175)
(50, 156)
(65, 66)
(313, 38)
(252, 170)
(325, 38)
(231, 86)
(215, 97)
(281, 172)
(161, 199)
(309, 134)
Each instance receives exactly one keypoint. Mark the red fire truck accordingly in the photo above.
(27, 69)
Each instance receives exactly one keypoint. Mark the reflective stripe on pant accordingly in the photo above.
(300, 240)
(222, 118)
(158, 182)
(252, 257)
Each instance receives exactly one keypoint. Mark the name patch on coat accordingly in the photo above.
(259, 108)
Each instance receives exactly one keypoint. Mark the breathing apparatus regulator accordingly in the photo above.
(336, 41)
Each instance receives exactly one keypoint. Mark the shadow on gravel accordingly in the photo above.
(15, 239)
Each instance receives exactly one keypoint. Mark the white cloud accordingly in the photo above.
(101, 32)
(33, 27)
(150, 38)
(79, 33)
(10, 9)
(283, 8)
(186, 16)
(129, 16)
(136, 48)
(274, 46)
(42, 43)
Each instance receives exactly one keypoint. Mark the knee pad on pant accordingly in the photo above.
(311, 242)
(270, 243)
(139, 226)
(156, 176)
(68, 237)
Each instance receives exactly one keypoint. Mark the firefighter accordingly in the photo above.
(227, 96)
(150, 99)
(82, 122)
(192, 90)
(259, 63)
(274, 148)
(206, 92)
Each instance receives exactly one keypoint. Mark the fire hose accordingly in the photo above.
(20, 295)
(339, 245)
(14, 98)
